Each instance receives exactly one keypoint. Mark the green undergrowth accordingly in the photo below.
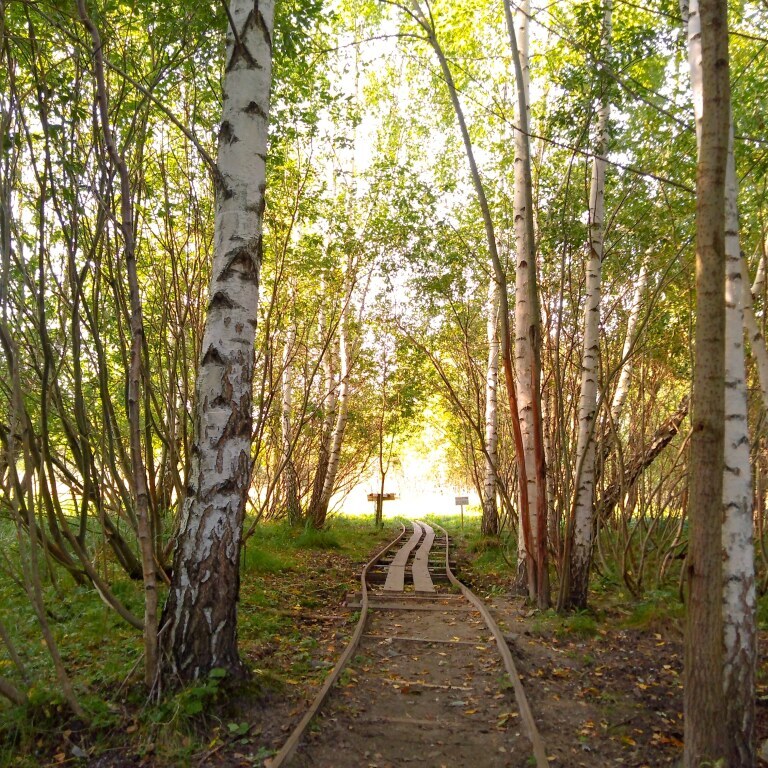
(762, 612)
(284, 571)
(487, 565)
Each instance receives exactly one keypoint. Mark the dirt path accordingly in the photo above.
(427, 688)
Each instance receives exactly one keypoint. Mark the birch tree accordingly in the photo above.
(200, 616)
(584, 481)
(532, 556)
(739, 599)
(427, 24)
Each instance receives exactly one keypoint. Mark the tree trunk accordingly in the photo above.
(200, 617)
(293, 509)
(584, 475)
(622, 387)
(330, 399)
(638, 463)
(705, 723)
(498, 268)
(138, 474)
(342, 403)
(490, 521)
(523, 311)
(739, 599)
(528, 330)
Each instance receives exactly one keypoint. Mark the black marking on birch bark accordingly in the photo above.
(240, 51)
(259, 252)
(262, 25)
(257, 208)
(220, 300)
(227, 487)
(212, 355)
(227, 133)
(219, 402)
(239, 422)
(254, 108)
(221, 187)
(244, 261)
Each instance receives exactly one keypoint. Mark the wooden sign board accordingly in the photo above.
(385, 497)
(462, 501)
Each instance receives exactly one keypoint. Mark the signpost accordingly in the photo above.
(378, 500)
(460, 502)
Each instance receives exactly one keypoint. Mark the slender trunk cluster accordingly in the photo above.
(329, 400)
(337, 414)
(584, 476)
(138, 472)
(625, 376)
(290, 481)
(200, 617)
(532, 557)
(490, 520)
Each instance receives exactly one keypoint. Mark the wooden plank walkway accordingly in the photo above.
(396, 572)
(422, 581)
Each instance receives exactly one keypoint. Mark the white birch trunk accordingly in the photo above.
(754, 332)
(523, 309)
(337, 437)
(490, 523)
(625, 377)
(498, 267)
(584, 477)
(201, 612)
(739, 598)
(759, 284)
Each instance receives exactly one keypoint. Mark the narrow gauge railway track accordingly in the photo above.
(430, 680)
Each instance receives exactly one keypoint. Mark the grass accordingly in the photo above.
(657, 611)
(102, 653)
(311, 538)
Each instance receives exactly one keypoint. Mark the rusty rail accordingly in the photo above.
(526, 716)
(528, 722)
(290, 745)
